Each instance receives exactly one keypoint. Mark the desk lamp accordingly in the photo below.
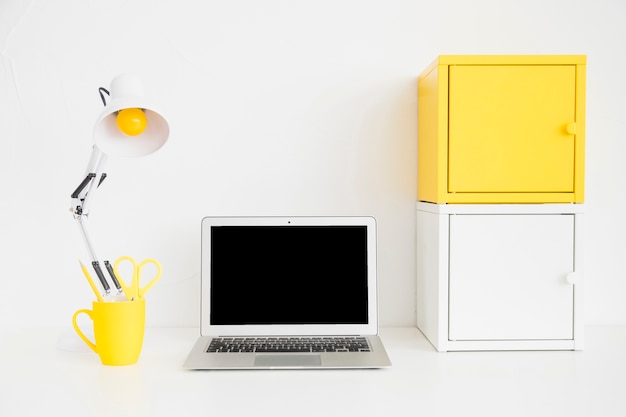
(129, 126)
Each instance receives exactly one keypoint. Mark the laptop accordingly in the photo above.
(288, 293)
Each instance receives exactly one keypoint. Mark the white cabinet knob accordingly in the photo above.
(571, 278)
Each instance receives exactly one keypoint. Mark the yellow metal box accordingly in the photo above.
(502, 129)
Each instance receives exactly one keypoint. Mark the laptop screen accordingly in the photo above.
(297, 275)
(288, 275)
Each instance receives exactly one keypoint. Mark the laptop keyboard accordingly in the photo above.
(289, 344)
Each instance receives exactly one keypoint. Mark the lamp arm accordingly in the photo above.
(81, 199)
(94, 176)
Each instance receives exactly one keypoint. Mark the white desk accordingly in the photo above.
(38, 379)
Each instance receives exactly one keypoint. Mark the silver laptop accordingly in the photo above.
(288, 292)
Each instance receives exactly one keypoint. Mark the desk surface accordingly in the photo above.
(36, 377)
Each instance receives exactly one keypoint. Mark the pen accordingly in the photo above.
(91, 283)
(109, 268)
(103, 281)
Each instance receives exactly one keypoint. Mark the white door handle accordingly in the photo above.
(571, 278)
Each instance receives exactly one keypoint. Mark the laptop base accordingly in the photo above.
(199, 359)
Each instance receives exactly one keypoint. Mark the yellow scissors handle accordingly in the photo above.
(142, 290)
(130, 289)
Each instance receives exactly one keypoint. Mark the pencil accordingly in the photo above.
(90, 280)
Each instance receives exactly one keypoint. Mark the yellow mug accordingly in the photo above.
(118, 329)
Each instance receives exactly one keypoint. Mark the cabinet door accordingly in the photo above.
(507, 277)
(508, 128)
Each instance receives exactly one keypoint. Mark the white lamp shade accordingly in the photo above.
(127, 92)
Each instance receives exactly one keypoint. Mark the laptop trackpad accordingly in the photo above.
(278, 360)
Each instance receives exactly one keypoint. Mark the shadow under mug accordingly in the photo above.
(118, 329)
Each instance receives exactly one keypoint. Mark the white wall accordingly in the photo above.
(276, 107)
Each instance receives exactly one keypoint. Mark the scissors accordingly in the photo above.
(134, 290)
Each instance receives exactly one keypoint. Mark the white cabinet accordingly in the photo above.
(500, 277)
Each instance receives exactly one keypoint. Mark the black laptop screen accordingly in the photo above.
(288, 275)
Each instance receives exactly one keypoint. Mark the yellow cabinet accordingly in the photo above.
(502, 129)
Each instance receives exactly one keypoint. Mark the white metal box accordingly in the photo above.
(500, 276)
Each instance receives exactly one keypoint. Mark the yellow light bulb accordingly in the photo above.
(131, 122)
